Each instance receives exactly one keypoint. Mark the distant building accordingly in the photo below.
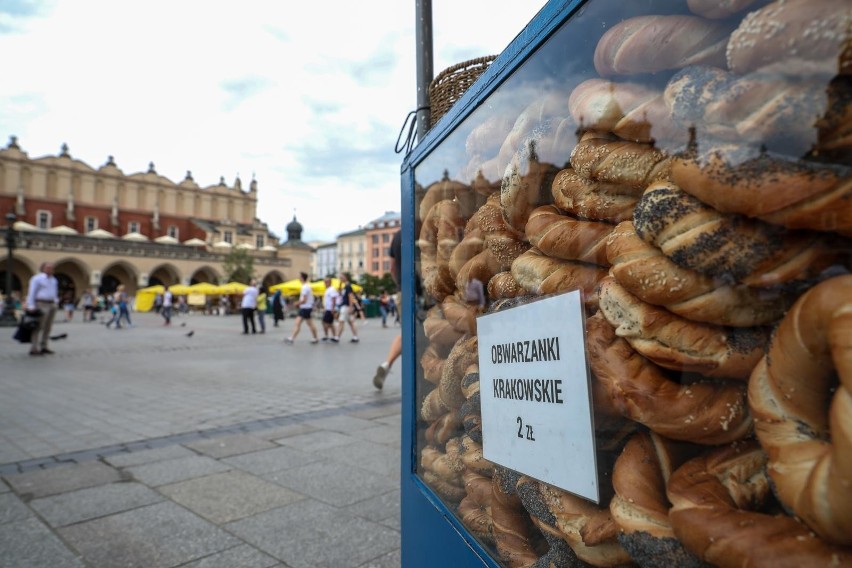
(325, 260)
(379, 233)
(101, 227)
(351, 252)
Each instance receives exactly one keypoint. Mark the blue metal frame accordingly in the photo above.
(431, 535)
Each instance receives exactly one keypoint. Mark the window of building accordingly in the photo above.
(361, 247)
(385, 237)
(375, 253)
(375, 239)
(375, 266)
(174, 232)
(360, 264)
(228, 237)
(133, 227)
(386, 266)
(259, 241)
(91, 223)
(43, 219)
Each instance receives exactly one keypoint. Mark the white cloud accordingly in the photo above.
(308, 97)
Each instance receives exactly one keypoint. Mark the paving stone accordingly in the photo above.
(389, 560)
(172, 471)
(157, 536)
(277, 432)
(12, 509)
(129, 459)
(378, 508)
(381, 434)
(226, 446)
(379, 411)
(317, 535)
(243, 556)
(378, 458)
(267, 461)
(94, 502)
(326, 481)
(314, 441)
(4, 488)
(230, 496)
(340, 423)
(40, 483)
(30, 544)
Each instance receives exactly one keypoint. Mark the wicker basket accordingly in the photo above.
(452, 82)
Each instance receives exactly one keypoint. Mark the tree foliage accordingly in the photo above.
(238, 266)
(373, 285)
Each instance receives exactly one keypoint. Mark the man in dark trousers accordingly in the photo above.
(43, 295)
(396, 344)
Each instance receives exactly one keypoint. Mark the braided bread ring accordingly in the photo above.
(810, 453)
(729, 247)
(504, 242)
(541, 275)
(676, 343)
(779, 190)
(709, 495)
(601, 157)
(595, 200)
(640, 506)
(702, 413)
(647, 273)
(561, 236)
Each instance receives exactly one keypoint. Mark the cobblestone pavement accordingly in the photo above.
(150, 447)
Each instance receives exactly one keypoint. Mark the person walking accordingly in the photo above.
(384, 306)
(261, 308)
(306, 307)
(166, 310)
(348, 305)
(43, 296)
(87, 300)
(248, 305)
(329, 301)
(395, 349)
(68, 305)
(277, 307)
(123, 310)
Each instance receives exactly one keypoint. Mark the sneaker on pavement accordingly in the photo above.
(325, 338)
(354, 340)
(379, 379)
(314, 341)
(335, 340)
(288, 341)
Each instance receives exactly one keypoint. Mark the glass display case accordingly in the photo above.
(628, 300)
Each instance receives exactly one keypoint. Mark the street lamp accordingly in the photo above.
(7, 317)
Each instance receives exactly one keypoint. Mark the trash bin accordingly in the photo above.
(371, 309)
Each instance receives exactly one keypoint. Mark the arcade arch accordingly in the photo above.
(72, 277)
(272, 278)
(164, 275)
(22, 271)
(117, 273)
(205, 274)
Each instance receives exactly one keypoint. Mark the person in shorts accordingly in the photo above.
(306, 308)
(330, 311)
(347, 309)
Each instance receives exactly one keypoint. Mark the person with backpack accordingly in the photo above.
(348, 306)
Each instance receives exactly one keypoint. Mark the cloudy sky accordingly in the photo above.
(309, 97)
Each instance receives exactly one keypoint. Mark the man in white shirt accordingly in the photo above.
(306, 308)
(43, 295)
(330, 305)
(248, 306)
(166, 311)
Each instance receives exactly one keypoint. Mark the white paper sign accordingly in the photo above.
(535, 393)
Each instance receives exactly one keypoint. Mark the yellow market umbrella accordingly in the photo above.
(289, 288)
(204, 288)
(231, 288)
(318, 287)
(180, 289)
(145, 297)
